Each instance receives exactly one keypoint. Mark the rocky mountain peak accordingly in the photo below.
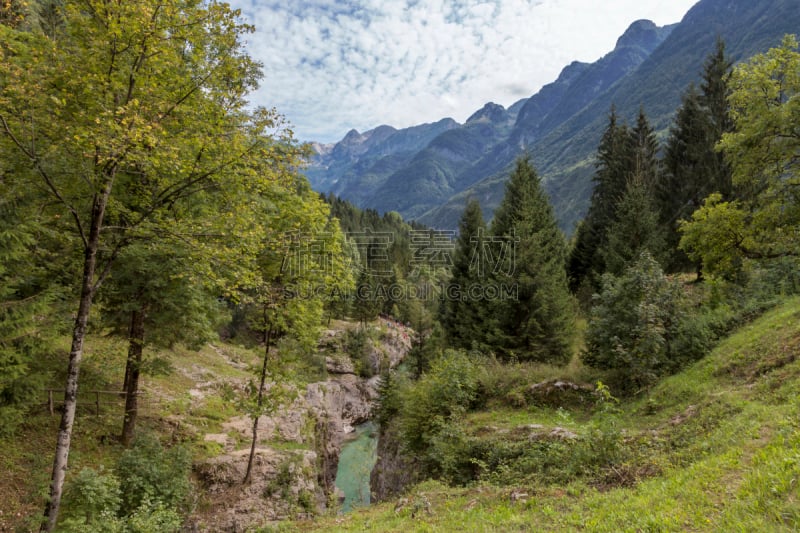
(490, 112)
(642, 33)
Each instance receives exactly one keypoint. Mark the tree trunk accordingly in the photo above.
(88, 290)
(259, 403)
(132, 370)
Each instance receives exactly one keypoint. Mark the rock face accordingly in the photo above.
(394, 471)
(282, 485)
(298, 450)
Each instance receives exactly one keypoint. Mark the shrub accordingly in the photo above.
(640, 326)
(149, 473)
(357, 345)
(441, 395)
(143, 496)
(90, 494)
(154, 517)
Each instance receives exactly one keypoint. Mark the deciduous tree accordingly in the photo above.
(763, 220)
(134, 109)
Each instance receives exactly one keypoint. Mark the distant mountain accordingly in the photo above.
(427, 172)
(355, 166)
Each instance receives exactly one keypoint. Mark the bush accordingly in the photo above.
(357, 345)
(154, 517)
(92, 501)
(149, 473)
(90, 494)
(640, 326)
(439, 397)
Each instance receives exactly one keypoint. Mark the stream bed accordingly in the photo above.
(356, 461)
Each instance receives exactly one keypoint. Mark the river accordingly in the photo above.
(356, 460)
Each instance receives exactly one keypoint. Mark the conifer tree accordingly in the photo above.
(635, 230)
(714, 98)
(613, 164)
(27, 294)
(642, 162)
(693, 168)
(586, 264)
(460, 316)
(537, 325)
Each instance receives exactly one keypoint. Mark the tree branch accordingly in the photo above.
(50, 185)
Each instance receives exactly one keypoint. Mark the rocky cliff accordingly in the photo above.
(298, 450)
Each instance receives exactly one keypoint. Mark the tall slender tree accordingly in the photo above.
(642, 163)
(586, 264)
(461, 316)
(693, 167)
(715, 91)
(286, 297)
(538, 325)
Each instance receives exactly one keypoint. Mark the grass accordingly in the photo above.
(714, 448)
(722, 440)
(26, 457)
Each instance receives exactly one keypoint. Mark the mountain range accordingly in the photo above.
(428, 172)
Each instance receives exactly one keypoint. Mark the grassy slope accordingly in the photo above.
(717, 449)
(170, 409)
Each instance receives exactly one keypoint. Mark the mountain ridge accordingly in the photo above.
(559, 126)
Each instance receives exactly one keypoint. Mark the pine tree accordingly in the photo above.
(613, 164)
(634, 223)
(642, 162)
(461, 317)
(635, 229)
(538, 325)
(714, 99)
(585, 264)
(693, 168)
(684, 184)
(26, 305)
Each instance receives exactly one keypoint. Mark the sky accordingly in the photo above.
(332, 66)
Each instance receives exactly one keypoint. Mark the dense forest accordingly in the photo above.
(148, 212)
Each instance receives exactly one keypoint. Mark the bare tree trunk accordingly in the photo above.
(132, 370)
(88, 290)
(260, 402)
(127, 361)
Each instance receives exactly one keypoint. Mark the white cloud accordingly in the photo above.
(330, 66)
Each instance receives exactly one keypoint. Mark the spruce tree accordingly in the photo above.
(613, 164)
(27, 310)
(635, 230)
(538, 325)
(693, 168)
(642, 162)
(460, 316)
(586, 264)
(714, 99)
(684, 183)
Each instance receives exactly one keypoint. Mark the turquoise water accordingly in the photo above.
(356, 460)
